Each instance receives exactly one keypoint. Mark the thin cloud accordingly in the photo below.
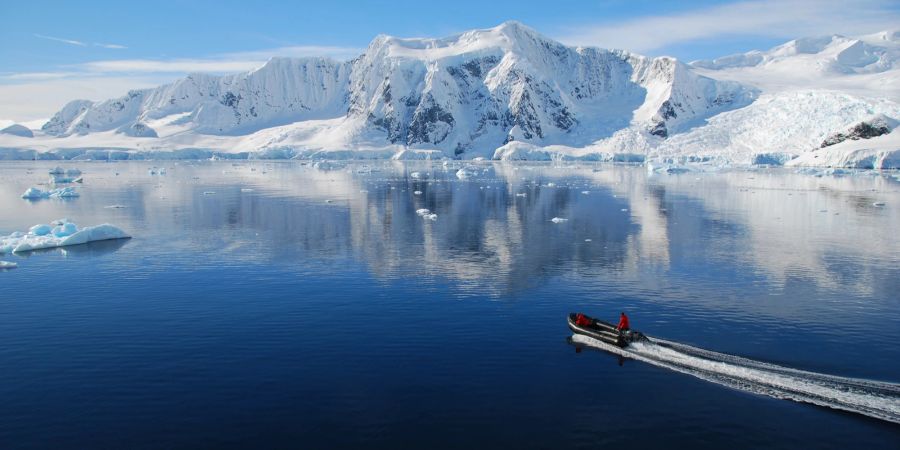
(230, 62)
(765, 18)
(80, 43)
(36, 76)
(65, 41)
(112, 46)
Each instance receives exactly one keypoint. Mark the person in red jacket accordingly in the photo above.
(623, 323)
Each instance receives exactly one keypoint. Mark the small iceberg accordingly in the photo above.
(467, 172)
(59, 171)
(7, 265)
(558, 220)
(34, 193)
(666, 169)
(426, 214)
(64, 233)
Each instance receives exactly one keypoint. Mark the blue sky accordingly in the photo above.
(58, 51)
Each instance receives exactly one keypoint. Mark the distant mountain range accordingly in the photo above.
(508, 93)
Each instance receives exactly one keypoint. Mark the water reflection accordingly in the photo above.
(493, 231)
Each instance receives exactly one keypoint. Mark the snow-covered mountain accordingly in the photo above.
(506, 88)
(283, 91)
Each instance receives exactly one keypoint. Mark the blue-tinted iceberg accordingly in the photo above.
(60, 234)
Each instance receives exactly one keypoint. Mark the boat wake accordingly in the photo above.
(876, 399)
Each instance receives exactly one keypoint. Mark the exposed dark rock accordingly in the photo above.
(862, 130)
(659, 129)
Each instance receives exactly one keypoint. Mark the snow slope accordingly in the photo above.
(505, 92)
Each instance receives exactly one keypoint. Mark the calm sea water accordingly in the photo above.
(275, 305)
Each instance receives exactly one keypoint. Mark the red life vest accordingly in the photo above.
(581, 320)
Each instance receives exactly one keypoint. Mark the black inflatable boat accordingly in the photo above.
(604, 331)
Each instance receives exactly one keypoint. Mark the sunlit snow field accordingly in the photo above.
(277, 305)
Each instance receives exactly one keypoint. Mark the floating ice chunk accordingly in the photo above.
(61, 179)
(423, 211)
(431, 217)
(415, 175)
(246, 190)
(34, 193)
(65, 233)
(467, 172)
(587, 240)
(878, 204)
(7, 265)
(558, 220)
(666, 169)
(417, 192)
(101, 232)
(209, 192)
(551, 184)
(115, 206)
(585, 192)
(624, 209)
(58, 172)
(328, 165)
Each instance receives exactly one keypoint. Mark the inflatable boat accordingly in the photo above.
(604, 331)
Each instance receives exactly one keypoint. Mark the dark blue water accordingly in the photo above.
(318, 310)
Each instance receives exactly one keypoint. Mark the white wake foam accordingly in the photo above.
(872, 398)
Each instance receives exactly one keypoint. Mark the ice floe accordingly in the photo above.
(7, 265)
(60, 234)
(558, 220)
(467, 172)
(34, 193)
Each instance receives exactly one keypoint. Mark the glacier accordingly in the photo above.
(505, 93)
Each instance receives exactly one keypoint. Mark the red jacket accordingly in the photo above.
(581, 320)
(623, 323)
